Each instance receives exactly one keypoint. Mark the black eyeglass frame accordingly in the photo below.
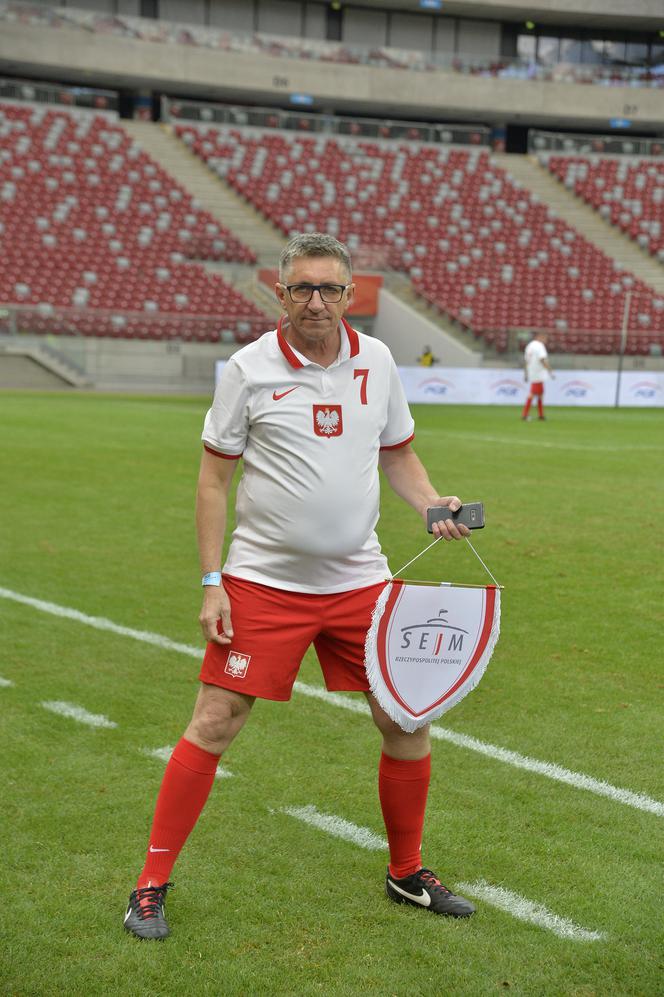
(312, 288)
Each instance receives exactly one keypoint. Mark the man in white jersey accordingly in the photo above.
(537, 370)
(312, 408)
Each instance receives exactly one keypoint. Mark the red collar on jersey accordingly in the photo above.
(291, 355)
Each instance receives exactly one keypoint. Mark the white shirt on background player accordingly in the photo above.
(308, 500)
(534, 354)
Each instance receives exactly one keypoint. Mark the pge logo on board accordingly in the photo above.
(576, 389)
(507, 388)
(435, 386)
(645, 389)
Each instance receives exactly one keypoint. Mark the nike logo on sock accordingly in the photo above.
(283, 394)
(423, 898)
(153, 849)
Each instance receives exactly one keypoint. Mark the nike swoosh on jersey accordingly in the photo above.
(153, 849)
(283, 394)
(424, 899)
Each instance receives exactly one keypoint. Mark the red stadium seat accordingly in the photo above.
(474, 243)
(88, 220)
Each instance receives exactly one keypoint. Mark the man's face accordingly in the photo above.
(315, 320)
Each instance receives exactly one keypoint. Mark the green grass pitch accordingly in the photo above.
(96, 514)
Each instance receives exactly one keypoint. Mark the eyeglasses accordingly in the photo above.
(331, 294)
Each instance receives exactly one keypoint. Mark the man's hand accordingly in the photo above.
(446, 528)
(216, 606)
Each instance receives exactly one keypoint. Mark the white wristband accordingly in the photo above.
(212, 578)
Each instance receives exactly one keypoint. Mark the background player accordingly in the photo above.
(537, 370)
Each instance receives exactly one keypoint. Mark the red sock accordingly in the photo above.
(403, 788)
(526, 407)
(540, 408)
(185, 788)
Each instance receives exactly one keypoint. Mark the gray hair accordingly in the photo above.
(313, 244)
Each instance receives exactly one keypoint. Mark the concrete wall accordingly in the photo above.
(406, 332)
(235, 15)
(189, 11)
(188, 368)
(24, 372)
(236, 76)
(126, 365)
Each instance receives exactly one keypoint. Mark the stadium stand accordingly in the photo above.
(474, 242)
(627, 192)
(97, 239)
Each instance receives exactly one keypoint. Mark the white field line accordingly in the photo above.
(5, 684)
(100, 623)
(547, 769)
(74, 712)
(519, 907)
(525, 910)
(336, 826)
(164, 755)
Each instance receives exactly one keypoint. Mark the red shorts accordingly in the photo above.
(273, 628)
(537, 388)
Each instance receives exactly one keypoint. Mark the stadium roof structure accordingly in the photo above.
(637, 15)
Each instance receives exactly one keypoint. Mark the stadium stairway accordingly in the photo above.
(29, 362)
(245, 280)
(401, 287)
(536, 178)
(216, 196)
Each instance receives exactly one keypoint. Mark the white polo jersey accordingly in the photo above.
(534, 354)
(307, 502)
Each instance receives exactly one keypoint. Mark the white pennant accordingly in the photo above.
(428, 647)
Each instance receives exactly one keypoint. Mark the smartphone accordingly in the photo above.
(471, 514)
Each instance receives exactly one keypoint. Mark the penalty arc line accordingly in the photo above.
(496, 896)
(550, 770)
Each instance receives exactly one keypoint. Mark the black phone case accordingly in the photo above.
(471, 515)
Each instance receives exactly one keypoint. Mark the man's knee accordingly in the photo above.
(398, 742)
(218, 715)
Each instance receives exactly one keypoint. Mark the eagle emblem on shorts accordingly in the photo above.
(328, 420)
(237, 664)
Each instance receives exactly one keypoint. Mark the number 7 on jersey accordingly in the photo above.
(364, 374)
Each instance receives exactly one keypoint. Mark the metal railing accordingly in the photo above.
(50, 93)
(115, 323)
(544, 142)
(200, 112)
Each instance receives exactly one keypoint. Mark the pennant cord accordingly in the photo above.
(432, 544)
